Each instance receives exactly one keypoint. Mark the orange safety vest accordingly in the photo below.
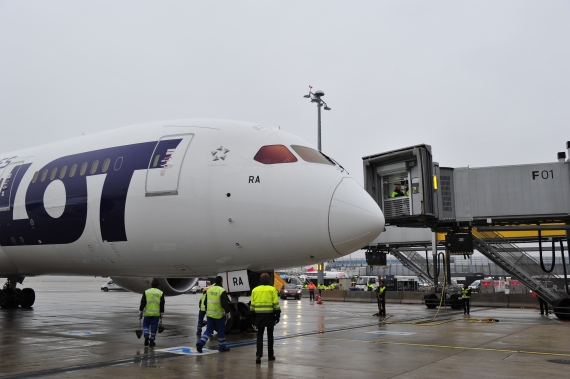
(312, 286)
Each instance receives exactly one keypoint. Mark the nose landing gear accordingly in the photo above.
(12, 297)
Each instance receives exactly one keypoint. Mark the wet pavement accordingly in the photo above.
(75, 330)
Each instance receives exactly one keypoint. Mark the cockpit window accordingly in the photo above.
(273, 154)
(311, 155)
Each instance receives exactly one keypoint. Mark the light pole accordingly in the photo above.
(316, 97)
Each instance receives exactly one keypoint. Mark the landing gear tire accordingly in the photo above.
(246, 321)
(7, 298)
(232, 323)
(431, 301)
(562, 309)
(27, 298)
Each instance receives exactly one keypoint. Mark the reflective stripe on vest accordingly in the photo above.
(202, 300)
(465, 293)
(264, 299)
(152, 308)
(213, 298)
(381, 290)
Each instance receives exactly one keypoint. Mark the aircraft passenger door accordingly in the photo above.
(163, 173)
(7, 179)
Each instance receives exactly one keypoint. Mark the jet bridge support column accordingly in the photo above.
(434, 255)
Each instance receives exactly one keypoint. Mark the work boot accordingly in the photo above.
(199, 347)
(152, 344)
(271, 358)
(224, 350)
(257, 360)
(146, 341)
(376, 314)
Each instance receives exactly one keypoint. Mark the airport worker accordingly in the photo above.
(543, 306)
(305, 286)
(465, 295)
(370, 287)
(152, 307)
(217, 307)
(265, 311)
(397, 191)
(201, 312)
(381, 299)
(312, 291)
(321, 287)
(331, 286)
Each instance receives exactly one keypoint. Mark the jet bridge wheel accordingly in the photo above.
(562, 309)
(455, 302)
(431, 300)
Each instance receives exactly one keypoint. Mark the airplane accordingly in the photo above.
(312, 274)
(176, 200)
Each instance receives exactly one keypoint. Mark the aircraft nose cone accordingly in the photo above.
(354, 217)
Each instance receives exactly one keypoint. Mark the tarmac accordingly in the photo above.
(75, 330)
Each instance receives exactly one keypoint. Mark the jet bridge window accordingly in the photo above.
(311, 155)
(273, 154)
(395, 185)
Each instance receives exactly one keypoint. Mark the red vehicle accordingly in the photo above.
(290, 290)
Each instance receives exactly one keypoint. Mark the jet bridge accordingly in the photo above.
(471, 205)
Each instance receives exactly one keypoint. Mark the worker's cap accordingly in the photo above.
(154, 283)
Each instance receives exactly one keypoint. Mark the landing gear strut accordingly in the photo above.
(12, 297)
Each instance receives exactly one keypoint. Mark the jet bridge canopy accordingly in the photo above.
(401, 183)
(414, 191)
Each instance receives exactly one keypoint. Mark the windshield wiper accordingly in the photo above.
(334, 162)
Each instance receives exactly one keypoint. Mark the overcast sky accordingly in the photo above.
(484, 82)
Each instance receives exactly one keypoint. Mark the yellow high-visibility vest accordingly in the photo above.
(152, 308)
(264, 299)
(214, 301)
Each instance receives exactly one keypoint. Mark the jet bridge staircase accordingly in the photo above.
(425, 270)
(413, 261)
(524, 267)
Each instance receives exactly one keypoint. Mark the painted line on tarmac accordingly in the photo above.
(91, 366)
(450, 347)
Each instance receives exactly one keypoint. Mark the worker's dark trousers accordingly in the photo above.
(543, 306)
(311, 294)
(260, 331)
(382, 307)
(465, 306)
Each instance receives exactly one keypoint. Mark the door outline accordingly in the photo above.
(174, 191)
(6, 171)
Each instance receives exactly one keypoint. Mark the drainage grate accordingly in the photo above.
(560, 361)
